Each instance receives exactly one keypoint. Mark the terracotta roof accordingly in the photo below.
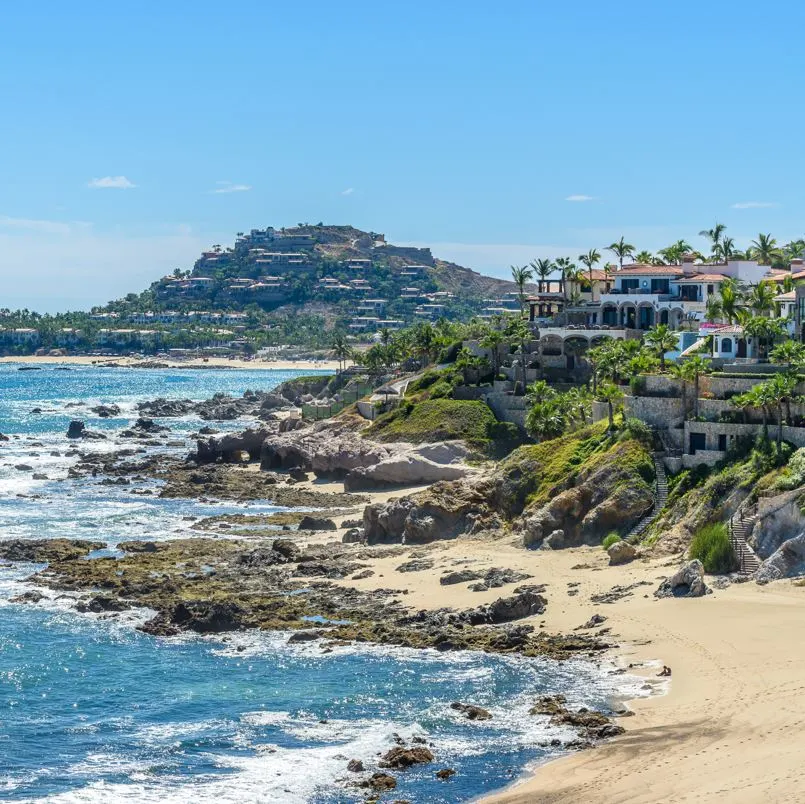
(650, 270)
(780, 277)
(702, 278)
(790, 296)
(732, 329)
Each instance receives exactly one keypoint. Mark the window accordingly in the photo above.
(726, 345)
(710, 290)
(722, 442)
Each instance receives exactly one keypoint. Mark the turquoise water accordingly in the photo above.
(92, 710)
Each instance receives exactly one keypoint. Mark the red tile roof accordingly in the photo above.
(650, 270)
(702, 278)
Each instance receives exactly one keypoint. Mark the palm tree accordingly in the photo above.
(761, 299)
(714, 235)
(611, 394)
(644, 257)
(491, 340)
(543, 268)
(693, 368)
(661, 340)
(764, 249)
(795, 249)
(790, 354)
(521, 275)
(677, 371)
(566, 267)
(731, 298)
(675, 252)
(725, 250)
(621, 249)
(766, 330)
(590, 259)
(424, 342)
(341, 349)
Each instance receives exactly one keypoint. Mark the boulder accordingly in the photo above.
(355, 766)
(353, 536)
(286, 548)
(621, 553)
(555, 540)
(788, 561)
(408, 469)
(380, 781)
(106, 411)
(76, 429)
(459, 576)
(505, 609)
(400, 757)
(470, 711)
(224, 447)
(687, 581)
(445, 773)
(316, 523)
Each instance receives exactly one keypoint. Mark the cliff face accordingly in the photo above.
(569, 491)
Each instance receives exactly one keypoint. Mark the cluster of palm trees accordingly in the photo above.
(765, 249)
(778, 392)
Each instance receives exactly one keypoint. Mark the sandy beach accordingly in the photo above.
(726, 727)
(208, 363)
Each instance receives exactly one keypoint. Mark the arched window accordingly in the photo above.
(726, 344)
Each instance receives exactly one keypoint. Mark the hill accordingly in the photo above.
(363, 282)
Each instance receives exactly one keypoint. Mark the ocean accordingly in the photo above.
(92, 710)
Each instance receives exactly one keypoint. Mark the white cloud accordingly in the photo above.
(111, 183)
(230, 187)
(348, 191)
(754, 205)
(579, 198)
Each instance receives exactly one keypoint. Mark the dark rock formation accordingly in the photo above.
(687, 581)
(470, 711)
(316, 523)
(400, 757)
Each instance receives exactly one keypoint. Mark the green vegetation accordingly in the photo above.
(711, 545)
(610, 539)
(533, 474)
(440, 420)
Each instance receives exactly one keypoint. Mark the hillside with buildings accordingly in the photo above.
(364, 282)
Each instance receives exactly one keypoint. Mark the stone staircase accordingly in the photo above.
(741, 524)
(660, 498)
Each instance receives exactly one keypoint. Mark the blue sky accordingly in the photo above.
(135, 134)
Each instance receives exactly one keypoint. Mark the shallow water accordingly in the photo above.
(93, 710)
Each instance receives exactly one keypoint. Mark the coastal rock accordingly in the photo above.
(470, 711)
(106, 411)
(166, 408)
(506, 609)
(28, 597)
(621, 553)
(304, 636)
(46, 550)
(459, 576)
(415, 565)
(408, 469)
(687, 581)
(445, 773)
(443, 511)
(76, 429)
(788, 561)
(316, 523)
(400, 757)
(224, 447)
(353, 536)
(549, 705)
(326, 448)
(201, 617)
(380, 782)
(355, 766)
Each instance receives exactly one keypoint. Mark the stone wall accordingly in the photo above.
(702, 456)
(508, 408)
(654, 410)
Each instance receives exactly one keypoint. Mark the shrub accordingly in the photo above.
(610, 539)
(711, 545)
(637, 385)
(794, 475)
(441, 390)
(639, 431)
